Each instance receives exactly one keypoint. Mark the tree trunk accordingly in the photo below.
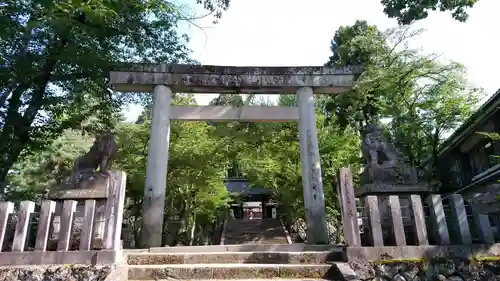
(193, 228)
(15, 132)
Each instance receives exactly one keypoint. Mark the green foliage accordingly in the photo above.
(48, 168)
(56, 56)
(50, 122)
(407, 11)
(421, 98)
(359, 44)
(491, 135)
(268, 154)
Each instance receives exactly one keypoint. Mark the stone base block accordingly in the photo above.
(262, 279)
(230, 271)
(235, 257)
(296, 247)
(421, 252)
(60, 257)
(391, 189)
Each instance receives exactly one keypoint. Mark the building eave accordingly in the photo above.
(464, 131)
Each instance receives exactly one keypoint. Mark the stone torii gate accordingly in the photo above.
(165, 79)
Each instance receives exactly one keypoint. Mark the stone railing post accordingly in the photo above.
(114, 212)
(107, 191)
(459, 218)
(22, 225)
(396, 219)
(438, 219)
(348, 207)
(484, 228)
(6, 208)
(418, 222)
(372, 211)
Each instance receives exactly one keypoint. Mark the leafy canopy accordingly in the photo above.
(56, 56)
(408, 11)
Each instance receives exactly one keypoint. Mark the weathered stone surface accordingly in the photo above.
(296, 247)
(380, 188)
(237, 70)
(486, 203)
(55, 273)
(383, 162)
(426, 252)
(223, 79)
(232, 271)
(91, 185)
(229, 113)
(241, 257)
(433, 270)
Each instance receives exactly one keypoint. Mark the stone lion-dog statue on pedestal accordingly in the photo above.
(99, 159)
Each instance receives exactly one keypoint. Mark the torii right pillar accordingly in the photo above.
(314, 198)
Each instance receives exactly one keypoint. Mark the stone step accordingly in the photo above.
(229, 240)
(241, 241)
(234, 257)
(297, 247)
(280, 279)
(231, 271)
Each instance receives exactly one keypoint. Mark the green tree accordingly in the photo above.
(56, 55)
(421, 98)
(195, 195)
(268, 155)
(407, 11)
(359, 44)
(37, 172)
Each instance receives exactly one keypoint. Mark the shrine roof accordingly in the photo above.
(469, 127)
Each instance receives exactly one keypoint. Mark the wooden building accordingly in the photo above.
(250, 202)
(469, 162)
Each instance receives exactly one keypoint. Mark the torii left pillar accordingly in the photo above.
(153, 206)
(314, 197)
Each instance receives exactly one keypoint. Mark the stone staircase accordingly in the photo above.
(257, 231)
(237, 262)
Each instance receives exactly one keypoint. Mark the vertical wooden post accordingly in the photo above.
(42, 235)
(375, 225)
(419, 226)
(348, 207)
(6, 208)
(397, 220)
(22, 226)
(88, 223)
(69, 208)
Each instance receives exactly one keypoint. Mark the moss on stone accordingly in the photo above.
(406, 260)
(481, 259)
(473, 259)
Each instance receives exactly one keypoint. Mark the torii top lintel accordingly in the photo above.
(187, 78)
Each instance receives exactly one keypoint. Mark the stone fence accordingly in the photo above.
(75, 226)
(401, 220)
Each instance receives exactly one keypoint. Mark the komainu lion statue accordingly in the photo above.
(377, 151)
(383, 162)
(99, 158)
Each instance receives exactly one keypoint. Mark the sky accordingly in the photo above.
(298, 33)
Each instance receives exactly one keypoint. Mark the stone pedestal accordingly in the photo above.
(93, 195)
(392, 196)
